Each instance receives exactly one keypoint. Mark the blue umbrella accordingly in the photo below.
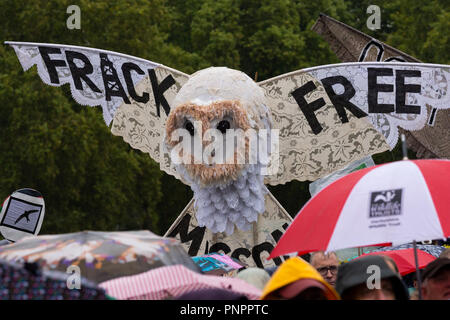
(213, 263)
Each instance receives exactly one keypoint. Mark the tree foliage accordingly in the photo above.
(91, 179)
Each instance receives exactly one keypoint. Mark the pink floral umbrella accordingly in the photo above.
(173, 281)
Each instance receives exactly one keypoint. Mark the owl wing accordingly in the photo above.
(351, 45)
(332, 115)
(135, 94)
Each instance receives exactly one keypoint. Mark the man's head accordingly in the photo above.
(436, 280)
(369, 278)
(445, 253)
(327, 264)
(362, 292)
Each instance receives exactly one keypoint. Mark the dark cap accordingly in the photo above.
(434, 266)
(355, 272)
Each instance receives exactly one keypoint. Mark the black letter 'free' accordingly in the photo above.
(402, 88)
(374, 88)
(342, 101)
(309, 108)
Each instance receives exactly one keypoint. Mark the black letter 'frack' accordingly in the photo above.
(159, 89)
(309, 108)
(51, 64)
(126, 70)
(342, 101)
(113, 86)
(79, 74)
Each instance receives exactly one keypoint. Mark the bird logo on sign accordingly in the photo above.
(25, 215)
(386, 198)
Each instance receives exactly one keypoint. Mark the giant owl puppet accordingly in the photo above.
(317, 120)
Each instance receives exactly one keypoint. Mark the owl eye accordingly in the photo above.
(189, 127)
(223, 126)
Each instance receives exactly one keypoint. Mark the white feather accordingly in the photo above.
(230, 205)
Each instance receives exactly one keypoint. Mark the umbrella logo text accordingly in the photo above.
(385, 203)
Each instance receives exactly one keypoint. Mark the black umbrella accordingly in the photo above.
(29, 282)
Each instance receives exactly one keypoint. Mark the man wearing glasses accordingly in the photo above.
(327, 264)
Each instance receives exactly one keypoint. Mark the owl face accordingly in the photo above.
(214, 111)
(206, 130)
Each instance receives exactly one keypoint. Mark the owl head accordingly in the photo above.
(216, 105)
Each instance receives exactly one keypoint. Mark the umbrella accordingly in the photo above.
(173, 281)
(405, 259)
(100, 255)
(433, 250)
(28, 282)
(217, 263)
(387, 204)
(352, 253)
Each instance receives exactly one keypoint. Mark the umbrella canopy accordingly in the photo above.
(433, 250)
(404, 258)
(173, 281)
(100, 255)
(387, 204)
(217, 263)
(28, 282)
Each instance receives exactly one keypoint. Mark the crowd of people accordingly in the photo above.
(324, 277)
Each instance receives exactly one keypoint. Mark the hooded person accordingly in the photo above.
(296, 279)
(369, 278)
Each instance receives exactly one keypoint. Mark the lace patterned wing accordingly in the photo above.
(142, 125)
(351, 45)
(324, 116)
(135, 94)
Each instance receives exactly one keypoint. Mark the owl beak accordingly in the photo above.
(211, 160)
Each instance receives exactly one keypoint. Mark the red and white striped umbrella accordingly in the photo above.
(173, 281)
(404, 259)
(387, 204)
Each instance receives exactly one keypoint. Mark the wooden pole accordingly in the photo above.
(416, 259)
(419, 279)
(404, 147)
